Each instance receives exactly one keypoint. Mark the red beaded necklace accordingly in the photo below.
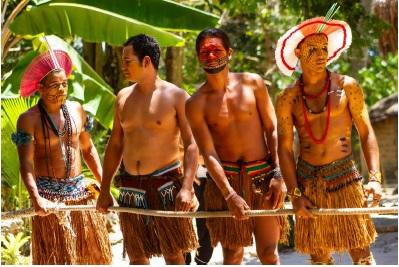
(308, 129)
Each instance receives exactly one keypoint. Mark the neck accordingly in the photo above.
(218, 81)
(52, 108)
(313, 82)
(148, 83)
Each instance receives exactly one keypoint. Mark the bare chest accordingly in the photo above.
(225, 110)
(150, 113)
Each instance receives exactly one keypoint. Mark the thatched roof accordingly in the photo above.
(384, 108)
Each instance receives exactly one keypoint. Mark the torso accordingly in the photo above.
(338, 141)
(233, 120)
(48, 159)
(150, 128)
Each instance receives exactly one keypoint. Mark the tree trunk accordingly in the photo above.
(387, 10)
(174, 65)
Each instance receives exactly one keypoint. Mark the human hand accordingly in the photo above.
(302, 206)
(41, 205)
(104, 201)
(184, 200)
(276, 193)
(373, 188)
(237, 206)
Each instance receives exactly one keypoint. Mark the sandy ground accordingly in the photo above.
(385, 251)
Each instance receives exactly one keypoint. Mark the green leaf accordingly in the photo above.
(91, 23)
(164, 14)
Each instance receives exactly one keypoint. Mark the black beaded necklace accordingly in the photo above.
(67, 129)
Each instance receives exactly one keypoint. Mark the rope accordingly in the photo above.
(199, 214)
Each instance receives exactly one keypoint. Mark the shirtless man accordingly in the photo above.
(149, 120)
(322, 106)
(50, 137)
(230, 115)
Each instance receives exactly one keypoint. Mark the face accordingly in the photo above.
(54, 88)
(131, 65)
(212, 55)
(313, 53)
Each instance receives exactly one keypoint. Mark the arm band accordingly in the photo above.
(89, 123)
(21, 138)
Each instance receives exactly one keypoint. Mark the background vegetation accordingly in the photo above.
(253, 26)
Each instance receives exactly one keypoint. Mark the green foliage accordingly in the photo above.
(10, 111)
(11, 249)
(380, 78)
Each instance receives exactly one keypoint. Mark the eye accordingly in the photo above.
(325, 49)
(312, 50)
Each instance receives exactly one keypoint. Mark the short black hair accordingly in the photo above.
(213, 32)
(144, 45)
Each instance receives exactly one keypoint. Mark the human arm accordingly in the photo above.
(285, 124)
(277, 188)
(26, 151)
(367, 137)
(112, 160)
(184, 198)
(195, 116)
(89, 151)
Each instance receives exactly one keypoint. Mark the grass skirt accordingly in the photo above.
(233, 233)
(335, 185)
(153, 236)
(78, 237)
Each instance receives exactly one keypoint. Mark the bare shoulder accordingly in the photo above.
(286, 98)
(249, 78)
(29, 118)
(123, 94)
(196, 102)
(74, 105)
(349, 84)
(174, 91)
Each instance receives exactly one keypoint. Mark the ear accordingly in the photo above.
(146, 61)
(230, 53)
(297, 52)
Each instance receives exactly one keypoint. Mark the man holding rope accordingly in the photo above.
(322, 106)
(230, 115)
(50, 137)
(149, 120)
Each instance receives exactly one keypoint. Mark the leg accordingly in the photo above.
(322, 257)
(205, 250)
(267, 234)
(135, 260)
(233, 256)
(176, 259)
(362, 256)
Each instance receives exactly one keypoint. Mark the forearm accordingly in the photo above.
(92, 160)
(370, 150)
(29, 181)
(288, 168)
(112, 160)
(271, 135)
(217, 173)
(190, 166)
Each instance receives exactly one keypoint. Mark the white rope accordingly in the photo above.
(199, 214)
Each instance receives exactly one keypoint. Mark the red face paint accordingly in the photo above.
(212, 55)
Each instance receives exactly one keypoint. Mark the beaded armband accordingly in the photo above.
(89, 124)
(21, 138)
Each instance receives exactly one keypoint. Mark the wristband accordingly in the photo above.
(375, 176)
(230, 195)
(277, 173)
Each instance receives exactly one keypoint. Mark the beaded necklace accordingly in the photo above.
(305, 108)
(46, 119)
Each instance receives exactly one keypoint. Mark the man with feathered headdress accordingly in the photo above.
(323, 106)
(50, 137)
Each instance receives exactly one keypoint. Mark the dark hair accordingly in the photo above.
(44, 79)
(213, 32)
(144, 45)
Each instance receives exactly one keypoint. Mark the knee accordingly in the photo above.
(139, 260)
(268, 255)
(233, 256)
(177, 259)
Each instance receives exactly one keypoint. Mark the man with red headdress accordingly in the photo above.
(50, 137)
(323, 106)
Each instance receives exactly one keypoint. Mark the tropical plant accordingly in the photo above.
(11, 249)
(380, 78)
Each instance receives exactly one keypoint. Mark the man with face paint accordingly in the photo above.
(230, 116)
(323, 106)
(149, 121)
(51, 137)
